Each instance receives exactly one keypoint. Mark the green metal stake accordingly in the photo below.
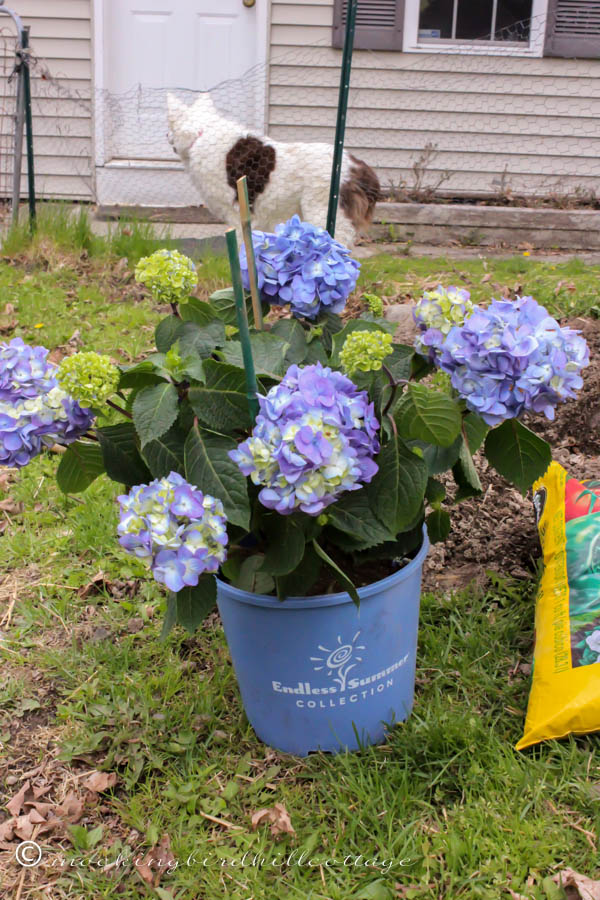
(340, 128)
(29, 128)
(242, 320)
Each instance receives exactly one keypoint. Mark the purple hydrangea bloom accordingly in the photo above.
(34, 411)
(513, 357)
(315, 437)
(302, 265)
(435, 314)
(176, 528)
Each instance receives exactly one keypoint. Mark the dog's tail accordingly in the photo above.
(359, 194)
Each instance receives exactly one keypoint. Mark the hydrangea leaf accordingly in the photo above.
(79, 467)
(139, 376)
(167, 332)
(223, 303)
(285, 546)
(435, 492)
(251, 578)
(291, 331)
(399, 362)
(299, 582)
(343, 579)
(120, 452)
(465, 475)
(475, 431)
(439, 459)
(222, 404)
(195, 603)
(208, 466)
(398, 489)
(154, 411)
(200, 339)
(427, 415)
(352, 515)
(268, 351)
(197, 311)
(165, 454)
(438, 525)
(517, 453)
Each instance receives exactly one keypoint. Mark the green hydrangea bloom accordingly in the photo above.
(364, 351)
(441, 381)
(168, 274)
(88, 377)
(374, 303)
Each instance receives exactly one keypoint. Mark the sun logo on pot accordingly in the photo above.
(340, 660)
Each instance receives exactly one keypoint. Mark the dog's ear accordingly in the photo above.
(175, 110)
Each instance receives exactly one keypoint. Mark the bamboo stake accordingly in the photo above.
(242, 189)
(242, 320)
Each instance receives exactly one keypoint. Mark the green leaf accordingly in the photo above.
(165, 454)
(223, 303)
(170, 617)
(291, 331)
(299, 582)
(352, 515)
(140, 375)
(438, 525)
(376, 890)
(400, 361)
(200, 339)
(208, 466)
(353, 325)
(465, 475)
(342, 577)
(398, 488)
(285, 546)
(268, 352)
(121, 455)
(222, 404)
(155, 409)
(167, 332)
(475, 431)
(425, 414)
(252, 578)
(197, 311)
(517, 453)
(195, 603)
(439, 459)
(435, 491)
(79, 466)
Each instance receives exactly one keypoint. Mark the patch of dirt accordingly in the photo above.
(497, 532)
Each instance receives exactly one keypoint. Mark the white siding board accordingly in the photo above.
(306, 14)
(62, 101)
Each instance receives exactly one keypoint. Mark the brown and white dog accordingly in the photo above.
(283, 178)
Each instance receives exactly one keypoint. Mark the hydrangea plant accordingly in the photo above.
(339, 469)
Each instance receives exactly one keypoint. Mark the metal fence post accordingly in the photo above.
(340, 128)
(29, 128)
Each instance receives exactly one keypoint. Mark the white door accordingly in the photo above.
(151, 47)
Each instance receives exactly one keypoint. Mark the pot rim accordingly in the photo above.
(323, 600)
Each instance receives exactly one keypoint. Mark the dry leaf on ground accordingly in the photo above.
(277, 816)
(15, 805)
(156, 862)
(97, 782)
(578, 887)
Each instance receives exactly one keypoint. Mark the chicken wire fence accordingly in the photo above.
(433, 125)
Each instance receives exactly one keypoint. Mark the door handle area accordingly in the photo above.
(249, 2)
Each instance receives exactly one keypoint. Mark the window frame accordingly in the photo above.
(535, 48)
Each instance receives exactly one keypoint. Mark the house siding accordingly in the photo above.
(491, 122)
(61, 87)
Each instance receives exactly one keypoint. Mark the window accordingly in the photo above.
(509, 27)
(567, 28)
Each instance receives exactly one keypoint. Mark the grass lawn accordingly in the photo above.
(445, 809)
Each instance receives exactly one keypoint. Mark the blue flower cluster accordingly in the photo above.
(513, 357)
(178, 530)
(302, 265)
(436, 313)
(315, 437)
(34, 411)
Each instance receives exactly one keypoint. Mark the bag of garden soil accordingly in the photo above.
(565, 694)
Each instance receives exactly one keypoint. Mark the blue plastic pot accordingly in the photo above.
(316, 673)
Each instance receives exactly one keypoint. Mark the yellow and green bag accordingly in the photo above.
(565, 693)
